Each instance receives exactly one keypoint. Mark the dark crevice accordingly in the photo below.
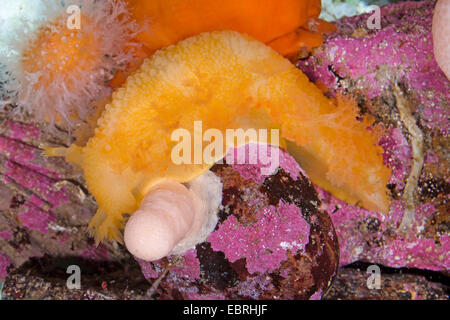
(429, 275)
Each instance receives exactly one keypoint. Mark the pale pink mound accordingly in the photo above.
(441, 35)
(165, 217)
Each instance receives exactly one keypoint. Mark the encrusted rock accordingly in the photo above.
(272, 241)
(393, 75)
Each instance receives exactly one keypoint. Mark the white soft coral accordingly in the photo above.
(53, 72)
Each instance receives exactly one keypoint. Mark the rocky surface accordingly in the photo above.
(351, 283)
(392, 74)
(44, 205)
(271, 241)
(46, 279)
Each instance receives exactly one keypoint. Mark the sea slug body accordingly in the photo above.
(225, 80)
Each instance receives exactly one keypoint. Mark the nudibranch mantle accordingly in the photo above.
(226, 80)
(53, 70)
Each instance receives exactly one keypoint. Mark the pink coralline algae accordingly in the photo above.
(372, 237)
(42, 185)
(99, 253)
(264, 244)
(36, 219)
(188, 267)
(20, 131)
(26, 156)
(402, 50)
(44, 209)
(255, 285)
(209, 296)
(258, 161)
(396, 156)
(271, 242)
(149, 269)
(6, 235)
(4, 264)
(316, 296)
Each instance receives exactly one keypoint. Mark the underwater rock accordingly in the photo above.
(102, 284)
(393, 74)
(46, 278)
(291, 252)
(367, 61)
(272, 241)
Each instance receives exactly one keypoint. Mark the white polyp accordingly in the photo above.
(173, 219)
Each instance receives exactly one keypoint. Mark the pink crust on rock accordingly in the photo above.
(263, 244)
(402, 48)
(251, 159)
(208, 296)
(98, 253)
(42, 185)
(21, 131)
(26, 169)
(396, 156)
(6, 235)
(441, 35)
(26, 156)
(253, 286)
(4, 264)
(36, 219)
(397, 251)
(188, 267)
(317, 295)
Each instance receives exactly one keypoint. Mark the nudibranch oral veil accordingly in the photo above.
(226, 80)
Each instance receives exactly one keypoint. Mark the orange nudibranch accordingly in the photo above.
(227, 81)
(285, 25)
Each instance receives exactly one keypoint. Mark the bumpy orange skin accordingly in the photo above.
(226, 80)
(284, 25)
(59, 50)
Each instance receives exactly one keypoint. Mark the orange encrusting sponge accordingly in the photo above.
(226, 80)
(286, 26)
(169, 21)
